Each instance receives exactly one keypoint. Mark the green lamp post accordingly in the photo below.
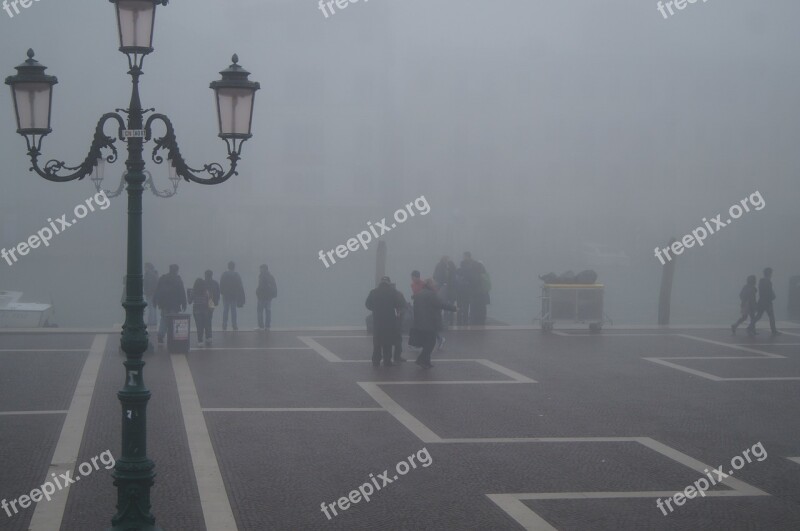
(32, 92)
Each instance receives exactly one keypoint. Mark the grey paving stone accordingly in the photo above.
(278, 467)
(26, 445)
(39, 380)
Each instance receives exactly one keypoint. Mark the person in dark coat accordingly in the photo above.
(428, 320)
(232, 290)
(398, 337)
(470, 290)
(462, 290)
(479, 299)
(765, 297)
(150, 285)
(266, 291)
(199, 298)
(445, 277)
(384, 305)
(440, 274)
(748, 306)
(214, 295)
(170, 298)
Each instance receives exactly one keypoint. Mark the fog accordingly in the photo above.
(545, 136)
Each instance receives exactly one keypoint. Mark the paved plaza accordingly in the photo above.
(524, 430)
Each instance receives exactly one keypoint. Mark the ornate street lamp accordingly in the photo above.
(32, 92)
(135, 22)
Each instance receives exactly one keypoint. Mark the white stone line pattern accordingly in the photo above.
(670, 363)
(48, 516)
(12, 350)
(44, 412)
(511, 503)
(213, 496)
(760, 355)
(405, 418)
(322, 351)
(227, 349)
(287, 409)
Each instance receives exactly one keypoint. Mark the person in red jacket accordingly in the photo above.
(416, 283)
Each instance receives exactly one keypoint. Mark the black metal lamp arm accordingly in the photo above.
(101, 141)
(169, 143)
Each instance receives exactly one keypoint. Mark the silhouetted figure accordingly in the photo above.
(765, 297)
(480, 295)
(441, 274)
(150, 285)
(230, 285)
(199, 297)
(748, 305)
(474, 292)
(428, 320)
(462, 289)
(416, 286)
(266, 291)
(214, 294)
(416, 283)
(398, 337)
(170, 298)
(445, 277)
(384, 305)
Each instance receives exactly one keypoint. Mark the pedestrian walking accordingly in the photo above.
(471, 289)
(200, 298)
(416, 286)
(480, 295)
(170, 297)
(462, 289)
(748, 302)
(416, 282)
(266, 291)
(440, 273)
(440, 292)
(402, 306)
(150, 284)
(232, 290)
(428, 320)
(214, 295)
(445, 277)
(765, 297)
(384, 305)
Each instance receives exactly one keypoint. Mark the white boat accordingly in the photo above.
(14, 314)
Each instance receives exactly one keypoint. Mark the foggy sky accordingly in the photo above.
(536, 130)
